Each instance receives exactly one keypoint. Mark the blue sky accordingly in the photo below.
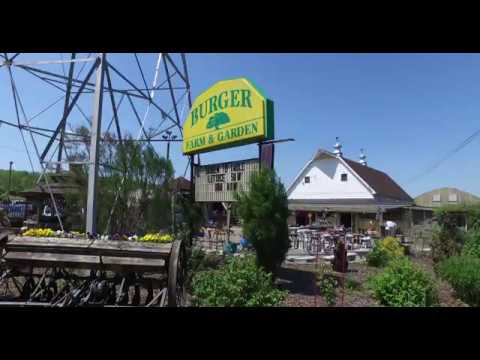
(406, 110)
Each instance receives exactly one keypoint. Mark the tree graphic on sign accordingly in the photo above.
(218, 119)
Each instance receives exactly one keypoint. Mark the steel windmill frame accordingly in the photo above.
(72, 87)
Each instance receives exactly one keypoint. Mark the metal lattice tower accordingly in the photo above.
(110, 80)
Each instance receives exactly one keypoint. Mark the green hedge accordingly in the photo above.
(472, 244)
(463, 273)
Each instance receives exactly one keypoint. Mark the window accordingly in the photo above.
(344, 177)
(436, 197)
(307, 179)
(452, 197)
(232, 186)
(218, 186)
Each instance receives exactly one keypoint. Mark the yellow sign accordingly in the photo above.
(230, 113)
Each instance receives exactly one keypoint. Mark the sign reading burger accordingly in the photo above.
(230, 113)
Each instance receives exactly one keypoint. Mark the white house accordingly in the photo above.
(348, 193)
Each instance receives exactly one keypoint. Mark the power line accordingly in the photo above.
(447, 156)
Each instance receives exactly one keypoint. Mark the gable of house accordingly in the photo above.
(321, 179)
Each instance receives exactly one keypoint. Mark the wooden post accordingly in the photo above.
(173, 211)
(228, 207)
(192, 194)
(380, 221)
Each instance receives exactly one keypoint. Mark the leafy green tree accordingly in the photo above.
(134, 186)
(21, 180)
(264, 211)
(447, 238)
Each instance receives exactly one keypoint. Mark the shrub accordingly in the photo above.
(385, 251)
(328, 287)
(327, 283)
(446, 242)
(237, 283)
(264, 211)
(352, 284)
(404, 284)
(463, 274)
(447, 237)
(473, 217)
(472, 244)
(199, 260)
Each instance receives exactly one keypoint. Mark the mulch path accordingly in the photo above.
(299, 281)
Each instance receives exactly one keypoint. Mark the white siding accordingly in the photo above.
(205, 190)
(325, 182)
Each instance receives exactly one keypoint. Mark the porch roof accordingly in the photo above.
(344, 205)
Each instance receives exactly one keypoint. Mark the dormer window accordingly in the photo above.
(344, 177)
(307, 179)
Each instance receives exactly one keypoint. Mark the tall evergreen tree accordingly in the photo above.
(264, 212)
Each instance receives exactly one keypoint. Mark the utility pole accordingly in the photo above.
(9, 180)
(168, 137)
(95, 134)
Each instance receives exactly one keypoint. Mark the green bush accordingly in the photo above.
(473, 217)
(352, 284)
(448, 238)
(199, 260)
(237, 283)
(328, 287)
(264, 211)
(463, 274)
(446, 242)
(472, 244)
(404, 284)
(385, 251)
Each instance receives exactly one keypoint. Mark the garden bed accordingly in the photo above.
(300, 281)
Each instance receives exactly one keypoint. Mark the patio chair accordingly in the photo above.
(302, 239)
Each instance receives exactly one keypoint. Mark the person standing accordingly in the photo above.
(390, 227)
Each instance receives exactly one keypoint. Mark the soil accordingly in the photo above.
(300, 282)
